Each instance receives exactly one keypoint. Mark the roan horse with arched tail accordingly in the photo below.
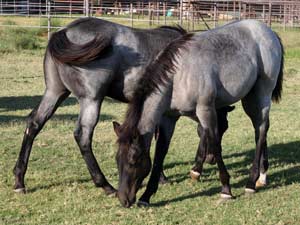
(93, 58)
(194, 76)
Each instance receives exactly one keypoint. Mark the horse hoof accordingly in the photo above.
(262, 180)
(250, 191)
(111, 192)
(260, 184)
(226, 196)
(194, 175)
(142, 204)
(20, 190)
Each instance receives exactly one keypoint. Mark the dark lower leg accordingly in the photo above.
(88, 119)
(22, 162)
(264, 165)
(166, 130)
(152, 185)
(224, 175)
(196, 171)
(255, 169)
(199, 158)
(36, 121)
(95, 171)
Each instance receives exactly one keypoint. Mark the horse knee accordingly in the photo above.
(77, 135)
(82, 141)
(33, 126)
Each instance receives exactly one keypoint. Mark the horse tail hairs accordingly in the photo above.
(276, 95)
(64, 51)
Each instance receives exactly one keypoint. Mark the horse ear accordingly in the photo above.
(116, 128)
(230, 108)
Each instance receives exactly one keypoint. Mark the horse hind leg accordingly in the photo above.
(210, 143)
(257, 107)
(200, 158)
(35, 122)
(196, 171)
(88, 118)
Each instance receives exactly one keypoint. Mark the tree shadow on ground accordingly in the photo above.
(279, 155)
(13, 103)
(4, 119)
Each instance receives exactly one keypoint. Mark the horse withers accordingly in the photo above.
(194, 76)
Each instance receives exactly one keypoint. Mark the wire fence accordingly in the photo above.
(192, 14)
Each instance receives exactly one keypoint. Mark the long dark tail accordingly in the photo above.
(276, 94)
(64, 51)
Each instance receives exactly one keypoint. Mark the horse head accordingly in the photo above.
(134, 163)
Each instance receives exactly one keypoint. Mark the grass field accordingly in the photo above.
(59, 187)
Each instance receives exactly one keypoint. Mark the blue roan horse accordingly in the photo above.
(93, 58)
(194, 76)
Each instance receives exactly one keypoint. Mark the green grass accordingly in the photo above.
(59, 187)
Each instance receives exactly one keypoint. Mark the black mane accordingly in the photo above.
(177, 28)
(156, 75)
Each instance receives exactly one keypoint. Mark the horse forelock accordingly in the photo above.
(156, 75)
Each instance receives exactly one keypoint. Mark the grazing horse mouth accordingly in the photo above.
(126, 201)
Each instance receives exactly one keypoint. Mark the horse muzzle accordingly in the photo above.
(125, 200)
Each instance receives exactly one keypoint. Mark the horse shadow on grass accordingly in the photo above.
(279, 155)
(68, 182)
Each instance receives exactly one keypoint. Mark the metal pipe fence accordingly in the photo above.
(192, 14)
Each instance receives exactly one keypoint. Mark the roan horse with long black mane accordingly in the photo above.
(93, 58)
(193, 76)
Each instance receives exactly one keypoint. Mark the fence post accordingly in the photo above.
(86, 8)
(149, 14)
(270, 14)
(264, 13)
(215, 15)
(234, 13)
(284, 16)
(157, 12)
(165, 13)
(180, 12)
(240, 9)
(28, 8)
(48, 9)
(131, 13)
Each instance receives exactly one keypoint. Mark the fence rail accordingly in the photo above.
(189, 13)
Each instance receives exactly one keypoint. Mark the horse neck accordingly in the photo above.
(155, 105)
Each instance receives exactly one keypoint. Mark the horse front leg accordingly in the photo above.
(166, 130)
(88, 118)
(35, 122)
